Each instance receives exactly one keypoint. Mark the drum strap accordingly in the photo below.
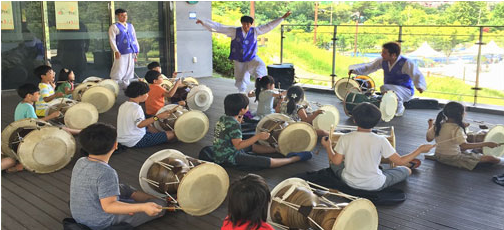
(305, 210)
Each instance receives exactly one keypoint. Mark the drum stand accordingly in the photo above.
(321, 192)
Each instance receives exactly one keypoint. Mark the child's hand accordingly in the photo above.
(325, 141)
(430, 122)
(54, 114)
(59, 94)
(319, 112)
(174, 74)
(466, 124)
(151, 208)
(425, 148)
(164, 115)
(182, 103)
(491, 144)
(263, 135)
(251, 93)
(178, 84)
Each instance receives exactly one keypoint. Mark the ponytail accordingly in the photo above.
(452, 110)
(294, 94)
(262, 83)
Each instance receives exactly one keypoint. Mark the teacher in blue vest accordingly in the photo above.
(124, 44)
(401, 75)
(244, 47)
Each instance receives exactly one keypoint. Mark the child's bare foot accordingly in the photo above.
(17, 168)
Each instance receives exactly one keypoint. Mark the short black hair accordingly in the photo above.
(152, 75)
(153, 65)
(98, 138)
(120, 11)
(248, 200)
(247, 19)
(235, 102)
(41, 70)
(392, 48)
(136, 88)
(366, 115)
(26, 89)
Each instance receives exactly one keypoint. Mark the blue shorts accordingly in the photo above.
(151, 139)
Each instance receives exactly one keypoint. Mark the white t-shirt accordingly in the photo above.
(128, 117)
(265, 105)
(363, 152)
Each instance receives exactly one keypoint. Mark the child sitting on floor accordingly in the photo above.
(292, 108)
(65, 82)
(133, 129)
(449, 133)
(248, 201)
(265, 95)
(229, 148)
(357, 155)
(96, 197)
(157, 93)
(46, 86)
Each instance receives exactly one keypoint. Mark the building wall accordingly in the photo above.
(194, 42)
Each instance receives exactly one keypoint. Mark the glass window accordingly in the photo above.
(22, 47)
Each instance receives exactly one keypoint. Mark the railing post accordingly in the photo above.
(281, 43)
(333, 74)
(476, 86)
(400, 35)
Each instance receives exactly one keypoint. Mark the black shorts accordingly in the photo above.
(256, 161)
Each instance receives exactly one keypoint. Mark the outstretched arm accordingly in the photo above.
(212, 26)
(366, 68)
(271, 25)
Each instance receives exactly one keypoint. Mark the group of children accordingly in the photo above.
(98, 200)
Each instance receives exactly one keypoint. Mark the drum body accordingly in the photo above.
(189, 126)
(287, 135)
(199, 187)
(75, 115)
(361, 83)
(40, 147)
(290, 195)
(353, 99)
(388, 132)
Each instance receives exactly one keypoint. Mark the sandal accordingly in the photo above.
(415, 163)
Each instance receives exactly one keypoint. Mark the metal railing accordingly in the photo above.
(400, 35)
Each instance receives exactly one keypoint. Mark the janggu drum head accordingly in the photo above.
(93, 79)
(80, 89)
(200, 98)
(16, 131)
(102, 98)
(111, 85)
(297, 137)
(325, 120)
(345, 85)
(496, 134)
(81, 115)
(189, 126)
(388, 106)
(46, 150)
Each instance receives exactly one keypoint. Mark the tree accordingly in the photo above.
(467, 13)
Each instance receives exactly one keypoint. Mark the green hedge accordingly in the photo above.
(221, 63)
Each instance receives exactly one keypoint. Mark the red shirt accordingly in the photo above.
(228, 225)
(156, 99)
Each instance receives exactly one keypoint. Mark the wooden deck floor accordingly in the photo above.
(438, 196)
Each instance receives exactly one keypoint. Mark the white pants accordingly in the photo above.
(403, 93)
(244, 70)
(123, 70)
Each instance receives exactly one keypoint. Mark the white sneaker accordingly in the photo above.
(400, 109)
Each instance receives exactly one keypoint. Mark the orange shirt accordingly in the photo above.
(156, 99)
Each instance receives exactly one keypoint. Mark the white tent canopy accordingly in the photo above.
(490, 48)
(425, 51)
